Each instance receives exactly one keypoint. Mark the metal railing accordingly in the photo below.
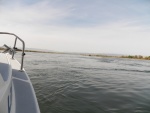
(23, 47)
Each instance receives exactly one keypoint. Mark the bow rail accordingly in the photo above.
(23, 47)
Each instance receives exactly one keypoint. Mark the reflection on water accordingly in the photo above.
(81, 84)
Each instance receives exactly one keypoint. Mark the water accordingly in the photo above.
(82, 84)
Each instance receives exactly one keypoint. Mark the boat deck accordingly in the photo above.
(25, 98)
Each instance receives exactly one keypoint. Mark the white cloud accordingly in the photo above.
(37, 25)
(30, 14)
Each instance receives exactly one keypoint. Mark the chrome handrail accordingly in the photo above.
(23, 47)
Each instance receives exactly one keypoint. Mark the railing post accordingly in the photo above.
(22, 59)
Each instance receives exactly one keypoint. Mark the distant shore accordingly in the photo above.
(123, 56)
(91, 55)
(37, 51)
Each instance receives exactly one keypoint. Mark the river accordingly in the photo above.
(66, 83)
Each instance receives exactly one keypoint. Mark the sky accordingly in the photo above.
(90, 26)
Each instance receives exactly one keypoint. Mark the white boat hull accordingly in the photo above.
(16, 91)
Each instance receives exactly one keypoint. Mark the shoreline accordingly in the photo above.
(139, 57)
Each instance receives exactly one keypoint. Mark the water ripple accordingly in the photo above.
(80, 84)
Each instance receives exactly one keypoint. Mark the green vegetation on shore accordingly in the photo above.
(127, 56)
(137, 57)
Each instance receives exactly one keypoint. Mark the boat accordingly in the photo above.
(16, 91)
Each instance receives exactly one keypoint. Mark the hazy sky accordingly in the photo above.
(97, 26)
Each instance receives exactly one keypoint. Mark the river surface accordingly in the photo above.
(81, 84)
